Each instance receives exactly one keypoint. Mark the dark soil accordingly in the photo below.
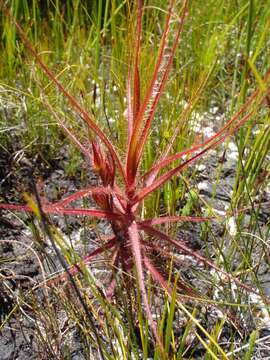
(20, 269)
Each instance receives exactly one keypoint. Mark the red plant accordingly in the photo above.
(123, 187)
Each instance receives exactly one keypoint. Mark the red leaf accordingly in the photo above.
(155, 89)
(168, 219)
(75, 269)
(167, 161)
(180, 245)
(167, 176)
(85, 192)
(101, 214)
(162, 281)
(129, 112)
(56, 209)
(73, 102)
(160, 88)
(16, 207)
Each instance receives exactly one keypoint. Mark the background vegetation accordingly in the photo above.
(222, 57)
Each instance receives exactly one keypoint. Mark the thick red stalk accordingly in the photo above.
(136, 247)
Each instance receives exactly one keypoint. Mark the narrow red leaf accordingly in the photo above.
(155, 90)
(68, 132)
(73, 102)
(113, 264)
(55, 209)
(183, 117)
(159, 92)
(167, 161)
(136, 73)
(75, 269)
(129, 112)
(16, 207)
(85, 192)
(101, 214)
(75, 141)
(131, 154)
(163, 282)
(156, 275)
(167, 176)
(136, 94)
(185, 249)
(168, 219)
